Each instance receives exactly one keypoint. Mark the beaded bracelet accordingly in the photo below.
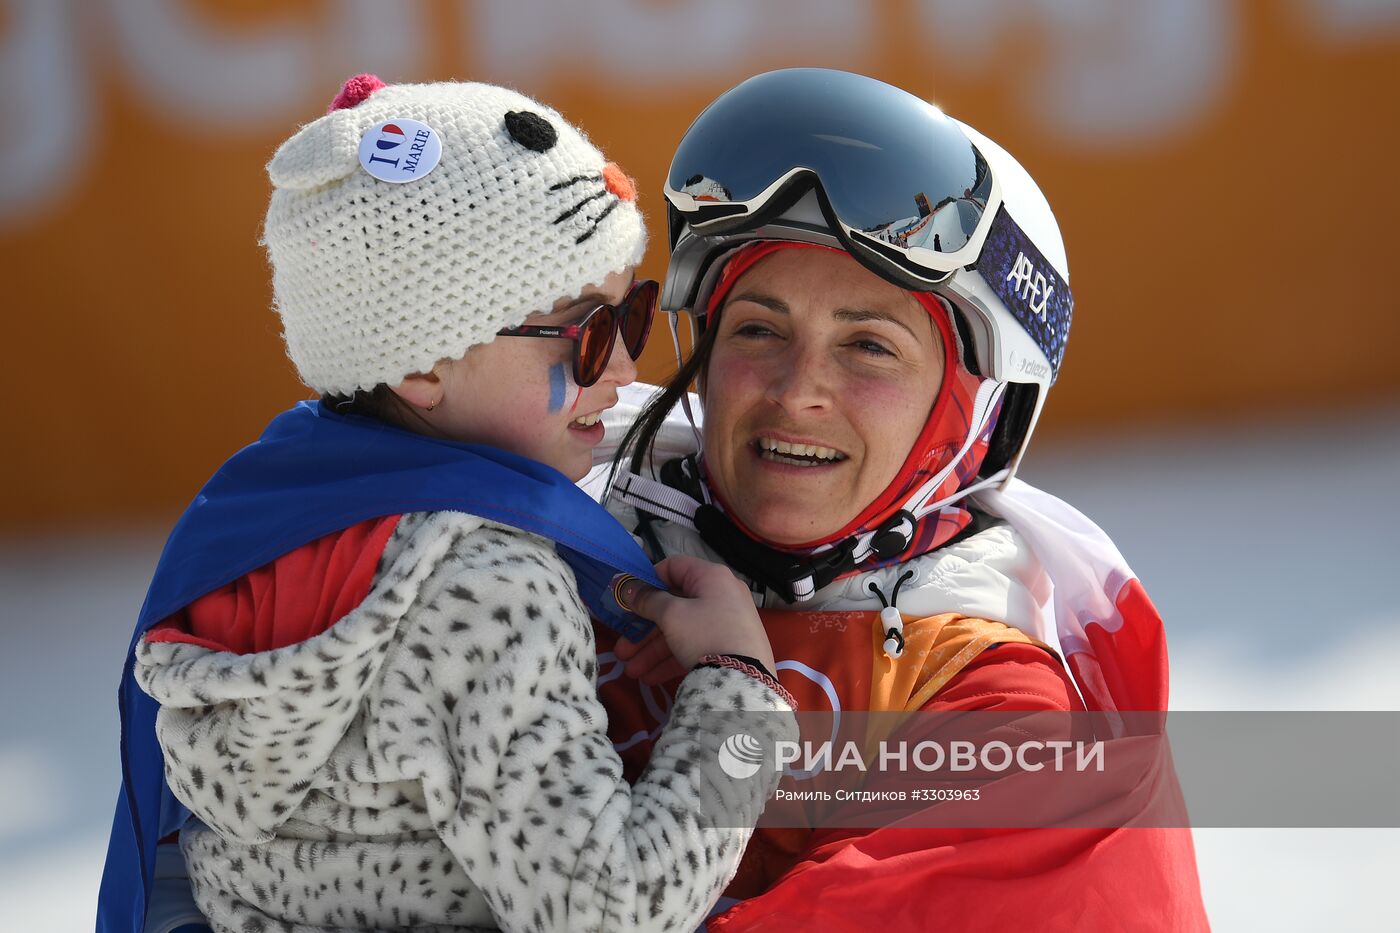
(750, 666)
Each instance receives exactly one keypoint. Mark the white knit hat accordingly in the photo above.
(378, 279)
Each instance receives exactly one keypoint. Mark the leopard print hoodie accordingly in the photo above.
(438, 760)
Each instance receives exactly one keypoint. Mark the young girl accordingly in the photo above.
(374, 671)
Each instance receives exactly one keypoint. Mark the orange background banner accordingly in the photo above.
(1224, 173)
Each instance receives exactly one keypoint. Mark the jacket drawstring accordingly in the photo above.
(891, 622)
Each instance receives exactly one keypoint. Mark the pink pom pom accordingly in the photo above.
(355, 90)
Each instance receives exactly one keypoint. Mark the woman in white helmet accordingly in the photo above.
(881, 299)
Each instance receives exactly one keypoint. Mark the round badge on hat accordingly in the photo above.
(400, 150)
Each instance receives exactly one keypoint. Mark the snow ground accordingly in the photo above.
(1269, 549)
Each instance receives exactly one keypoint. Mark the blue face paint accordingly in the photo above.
(557, 379)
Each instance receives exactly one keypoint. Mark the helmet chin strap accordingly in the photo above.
(798, 577)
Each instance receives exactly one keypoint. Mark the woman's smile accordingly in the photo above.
(786, 451)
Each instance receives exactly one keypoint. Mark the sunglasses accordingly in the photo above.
(593, 336)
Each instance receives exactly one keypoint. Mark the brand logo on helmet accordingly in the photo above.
(1030, 285)
(1028, 367)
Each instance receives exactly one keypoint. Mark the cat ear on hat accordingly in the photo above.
(326, 149)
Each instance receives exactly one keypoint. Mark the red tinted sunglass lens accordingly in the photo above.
(637, 316)
(595, 345)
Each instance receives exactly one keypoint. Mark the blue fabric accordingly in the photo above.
(311, 473)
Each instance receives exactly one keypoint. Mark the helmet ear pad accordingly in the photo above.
(1018, 406)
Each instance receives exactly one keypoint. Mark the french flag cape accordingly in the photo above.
(311, 473)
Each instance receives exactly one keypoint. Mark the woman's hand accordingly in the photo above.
(708, 611)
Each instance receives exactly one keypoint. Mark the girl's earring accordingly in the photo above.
(434, 404)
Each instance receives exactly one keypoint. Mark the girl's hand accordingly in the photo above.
(708, 611)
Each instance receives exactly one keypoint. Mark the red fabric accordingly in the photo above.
(986, 880)
(1010, 676)
(1125, 665)
(981, 879)
(959, 879)
(297, 596)
(1005, 677)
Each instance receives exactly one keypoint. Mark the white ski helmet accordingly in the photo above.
(923, 200)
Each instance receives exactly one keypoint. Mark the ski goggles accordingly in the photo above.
(899, 182)
(594, 336)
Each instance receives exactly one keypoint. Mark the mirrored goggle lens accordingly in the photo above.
(595, 344)
(891, 165)
(637, 315)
